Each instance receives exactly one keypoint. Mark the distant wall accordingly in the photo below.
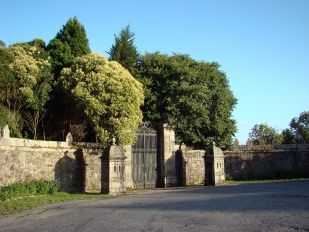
(267, 161)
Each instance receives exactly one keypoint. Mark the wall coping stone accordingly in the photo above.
(271, 148)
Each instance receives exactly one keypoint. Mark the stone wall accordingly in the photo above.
(76, 166)
(190, 167)
(267, 161)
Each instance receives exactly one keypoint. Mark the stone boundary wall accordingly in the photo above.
(76, 165)
(265, 161)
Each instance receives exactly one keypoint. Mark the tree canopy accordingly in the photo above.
(124, 51)
(25, 84)
(299, 129)
(107, 93)
(193, 96)
(266, 133)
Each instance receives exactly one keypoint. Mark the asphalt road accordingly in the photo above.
(276, 206)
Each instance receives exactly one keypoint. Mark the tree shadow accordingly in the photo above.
(71, 172)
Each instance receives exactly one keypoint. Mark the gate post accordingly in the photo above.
(113, 170)
(214, 166)
(168, 176)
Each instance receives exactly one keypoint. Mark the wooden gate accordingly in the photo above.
(144, 157)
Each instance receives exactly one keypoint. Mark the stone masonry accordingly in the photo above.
(249, 161)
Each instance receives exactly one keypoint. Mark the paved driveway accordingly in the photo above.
(277, 206)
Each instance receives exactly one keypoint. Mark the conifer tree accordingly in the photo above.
(70, 42)
(124, 51)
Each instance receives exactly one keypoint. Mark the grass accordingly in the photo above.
(239, 182)
(15, 205)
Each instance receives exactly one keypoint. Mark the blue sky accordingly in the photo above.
(261, 45)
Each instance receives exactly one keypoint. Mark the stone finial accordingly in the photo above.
(69, 139)
(249, 143)
(236, 143)
(5, 132)
(113, 142)
(262, 142)
(275, 141)
(183, 146)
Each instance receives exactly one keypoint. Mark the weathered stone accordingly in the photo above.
(236, 144)
(262, 142)
(276, 160)
(5, 132)
(113, 170)
(69, 139)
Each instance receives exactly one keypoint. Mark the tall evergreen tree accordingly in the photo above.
(124, 51)
(70, 42)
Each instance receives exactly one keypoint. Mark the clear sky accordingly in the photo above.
(261, 45)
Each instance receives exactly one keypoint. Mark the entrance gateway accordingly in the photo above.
(144, 157)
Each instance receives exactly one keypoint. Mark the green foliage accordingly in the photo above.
(7, 80)
(300, 127)
(288, 137)
(107, 93)
(70, 42)
(193, 96)
(61, 55)
(4, 116)
(32, 83)
(21, 189)
(265, 132)
(124, 51)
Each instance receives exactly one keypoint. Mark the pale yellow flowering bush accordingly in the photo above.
(109, 95)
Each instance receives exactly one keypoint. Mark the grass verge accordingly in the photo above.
(239, 182)
(19, 204)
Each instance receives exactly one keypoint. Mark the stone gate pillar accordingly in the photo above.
(167, 149)
(113, 170)
(214, 166)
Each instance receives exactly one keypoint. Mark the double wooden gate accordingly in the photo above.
(144, 158)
